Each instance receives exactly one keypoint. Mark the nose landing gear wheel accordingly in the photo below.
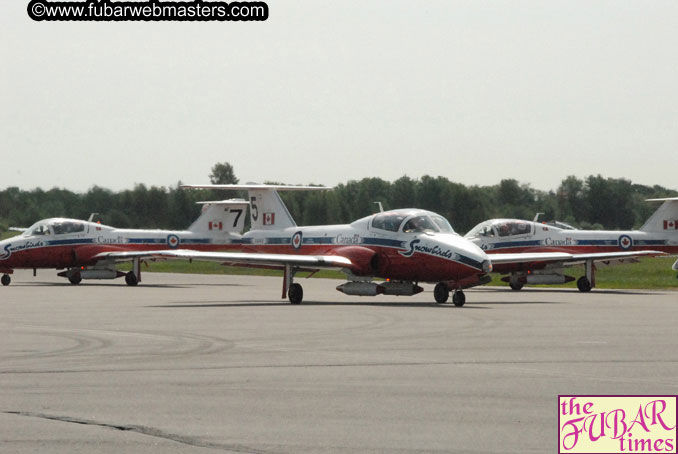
(131, 279)
(75, 279)
(295, 294)
(6, 279)
(517, 286)
(459, 298)
(583, 284)
(441, 292)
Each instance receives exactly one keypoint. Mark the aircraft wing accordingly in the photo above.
(529, 257)
(233, 258)
(569, 259)
(609, 258)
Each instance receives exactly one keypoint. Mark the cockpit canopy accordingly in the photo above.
(501, 228)
(411, 221)
(56, 227)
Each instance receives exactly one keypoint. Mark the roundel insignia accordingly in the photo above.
(296, 240)
(172, 241)
(625, 242)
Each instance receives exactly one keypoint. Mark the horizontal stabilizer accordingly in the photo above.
(248, 187)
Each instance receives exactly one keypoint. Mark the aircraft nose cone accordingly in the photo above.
(470, 253)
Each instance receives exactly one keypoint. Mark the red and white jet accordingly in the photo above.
(81, 247)
(504, 238)
(404, 247)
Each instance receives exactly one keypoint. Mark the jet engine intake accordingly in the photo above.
(364, 261)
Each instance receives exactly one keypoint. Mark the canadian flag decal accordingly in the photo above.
(269, 218)
(215, 225)
(671, 225)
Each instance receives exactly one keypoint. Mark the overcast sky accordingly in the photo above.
(327, 91)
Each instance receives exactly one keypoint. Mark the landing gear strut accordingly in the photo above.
(586, 283)
(133, 277)
(293, 291)
(6, 279)
(458, 298)
(441, 293)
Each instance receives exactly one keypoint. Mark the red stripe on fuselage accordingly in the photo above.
(391, 264)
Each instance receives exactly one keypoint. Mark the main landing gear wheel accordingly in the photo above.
(131, 279)
(517, 286)
(295, 294)
(6, 279)
(441, 292)
(75, 278)
(583, 284)
(458, 298)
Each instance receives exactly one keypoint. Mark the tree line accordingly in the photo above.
(593, 202)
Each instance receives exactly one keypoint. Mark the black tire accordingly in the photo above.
(583, 284)
(441, 293)
(458, 298)
(517, 286)
(6, 279)
(295, 294)
(131, 279)
(75, 278)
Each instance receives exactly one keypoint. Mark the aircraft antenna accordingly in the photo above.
(381, 207)
(536, 217)
(91, 216)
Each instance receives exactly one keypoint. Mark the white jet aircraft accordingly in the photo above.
(508, 237)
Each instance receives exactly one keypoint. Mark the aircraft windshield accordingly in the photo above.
(388, 221)
(484, 229)
(511, 228)
(442, 224)
(64, 227)
(37, 230)
(419, 224)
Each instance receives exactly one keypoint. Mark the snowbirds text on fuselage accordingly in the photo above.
(82, 247)
(504, 237)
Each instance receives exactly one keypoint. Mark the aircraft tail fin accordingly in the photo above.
(665, 219)
(267, 210)
(221, 217)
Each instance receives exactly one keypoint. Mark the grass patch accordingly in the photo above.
(8, 234)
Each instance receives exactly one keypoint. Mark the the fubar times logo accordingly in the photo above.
(617, 424)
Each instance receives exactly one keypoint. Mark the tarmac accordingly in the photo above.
(217, 363)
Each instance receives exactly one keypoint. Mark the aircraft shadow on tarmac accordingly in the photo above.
(574, 292)
(243, 303)
(118, 285)
(96, 284)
